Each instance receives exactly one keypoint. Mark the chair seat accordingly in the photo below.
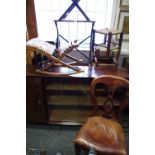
(104, 135)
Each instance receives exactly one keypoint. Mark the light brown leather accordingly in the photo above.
(104, 135)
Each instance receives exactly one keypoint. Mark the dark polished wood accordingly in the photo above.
(88, 71)
(31, 21)
(65, 99)
(36, 109)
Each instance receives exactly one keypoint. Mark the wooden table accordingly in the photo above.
(62, 99)
(88, 71)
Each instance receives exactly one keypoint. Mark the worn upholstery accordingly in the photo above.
(41, 45)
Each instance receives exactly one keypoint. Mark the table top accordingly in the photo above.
(87, 71)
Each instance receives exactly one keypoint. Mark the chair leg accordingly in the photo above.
(86, 152)
(77, 149)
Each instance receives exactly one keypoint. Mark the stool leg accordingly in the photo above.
(77, 149)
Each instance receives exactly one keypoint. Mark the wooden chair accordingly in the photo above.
(107, 52)
(54, 56)
(103, 132)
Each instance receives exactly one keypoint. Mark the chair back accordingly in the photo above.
(109, 95)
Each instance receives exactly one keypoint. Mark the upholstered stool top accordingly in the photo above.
(106, 31)
(104, 135)
(41, 45)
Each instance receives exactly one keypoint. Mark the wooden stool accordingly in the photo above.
(107, 53)
(54, 56)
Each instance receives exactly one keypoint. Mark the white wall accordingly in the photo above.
(125, 48)
(114, 23)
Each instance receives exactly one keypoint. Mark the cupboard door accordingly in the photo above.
(36, 110)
